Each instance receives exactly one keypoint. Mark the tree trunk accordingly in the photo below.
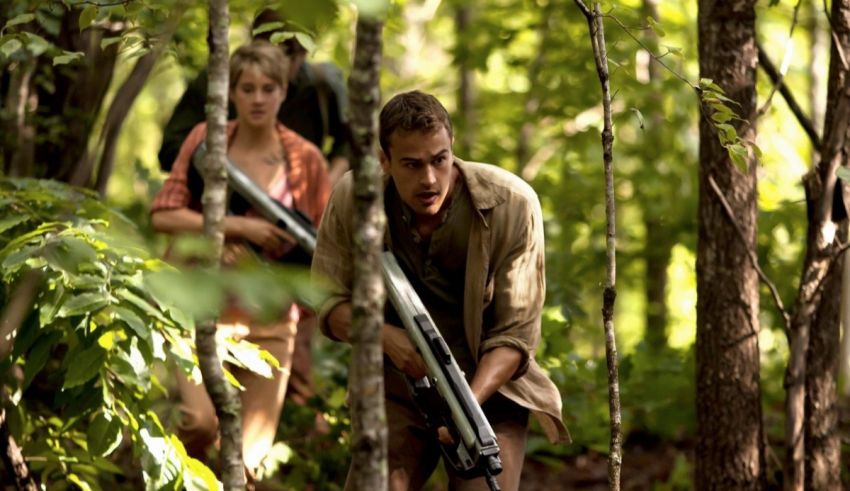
(366, 382)
(78, 96)
(815, 334)
(730, 445)
(12, 458)
(658, 245)
(532, 100)
(19, 138)
(466, 88)
(223, 394)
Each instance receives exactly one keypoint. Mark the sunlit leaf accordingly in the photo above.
(84, 365)
(104, 435)
(87, 16)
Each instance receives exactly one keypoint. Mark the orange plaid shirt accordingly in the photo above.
(306, 174)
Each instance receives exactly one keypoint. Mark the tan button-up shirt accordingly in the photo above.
(504, 287)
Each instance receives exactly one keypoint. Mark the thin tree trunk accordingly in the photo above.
(223, 394)
(814, 335)
(368, 418)
(12, 458)
(532, 100)
(730, 444)
(658, 246)
(20, 134)
(596, 30)
(466, 91)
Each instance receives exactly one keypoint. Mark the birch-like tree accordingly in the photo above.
(214, 199)
(366, 379)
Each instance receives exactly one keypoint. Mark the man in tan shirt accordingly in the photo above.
(470, 238)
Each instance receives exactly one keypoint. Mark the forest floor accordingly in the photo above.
(657, 466)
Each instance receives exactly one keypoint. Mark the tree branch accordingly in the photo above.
(778, 82)
(770, 69)
(786, 316)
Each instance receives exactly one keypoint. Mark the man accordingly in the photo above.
(470, 237)
(315, 107)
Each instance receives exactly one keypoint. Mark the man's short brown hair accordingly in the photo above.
(412, 111)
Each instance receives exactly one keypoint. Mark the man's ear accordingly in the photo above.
(385, 161)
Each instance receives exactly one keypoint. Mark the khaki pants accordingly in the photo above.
(262, 399)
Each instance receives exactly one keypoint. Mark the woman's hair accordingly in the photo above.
(268, 58)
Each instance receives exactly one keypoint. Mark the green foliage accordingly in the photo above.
(103, 316)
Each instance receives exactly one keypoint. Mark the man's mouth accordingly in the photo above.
(427, 198)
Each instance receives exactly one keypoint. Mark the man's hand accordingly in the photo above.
(402, 352)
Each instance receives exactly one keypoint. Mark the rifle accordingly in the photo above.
(443, 397)
(293, 221)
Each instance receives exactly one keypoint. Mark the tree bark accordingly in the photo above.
(658, 245)
(815, 334)
(466, 88)
(223, 394)
(12, 458)
(19, 138)
(78, 96)
(368, 418)
(730, 444)
(596, 29)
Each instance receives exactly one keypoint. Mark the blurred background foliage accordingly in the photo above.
(536, 111)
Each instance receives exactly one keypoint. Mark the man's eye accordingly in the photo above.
(268, 89)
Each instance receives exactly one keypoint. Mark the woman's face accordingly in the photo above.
(257, 98)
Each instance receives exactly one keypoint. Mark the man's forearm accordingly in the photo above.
(495, 369)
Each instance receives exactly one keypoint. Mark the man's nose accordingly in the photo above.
(428, 175)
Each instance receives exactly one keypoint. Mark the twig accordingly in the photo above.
(770, 69)
(596, 28)
(836, 42)
(786, 317)
(778, 82)
(652, 55)
(13, 459)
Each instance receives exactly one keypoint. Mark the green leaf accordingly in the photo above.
(19, 19)
(11, 222)
(106, 42)
(843, 173)
(38, 356)
(656, 28)
(133, 321)
(266, 27)
(738, 154)
(141, 303)
(247, 355)
(721, 117)
(35, 43)
(639, 116)
(68, 57)
(83, 365)
(84, 303)
(280, 37)
(83, 485)
(88, 15)
(104, 435)
(10, 45)
(306, 41)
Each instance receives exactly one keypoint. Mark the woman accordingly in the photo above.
(292, 171)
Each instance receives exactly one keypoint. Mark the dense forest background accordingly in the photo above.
(519, 80)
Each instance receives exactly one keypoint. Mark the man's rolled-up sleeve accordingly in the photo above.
(332, 260)
(519, 288)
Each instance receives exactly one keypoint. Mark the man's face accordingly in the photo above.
(421, 165)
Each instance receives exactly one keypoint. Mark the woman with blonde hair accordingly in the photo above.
(292, 171)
